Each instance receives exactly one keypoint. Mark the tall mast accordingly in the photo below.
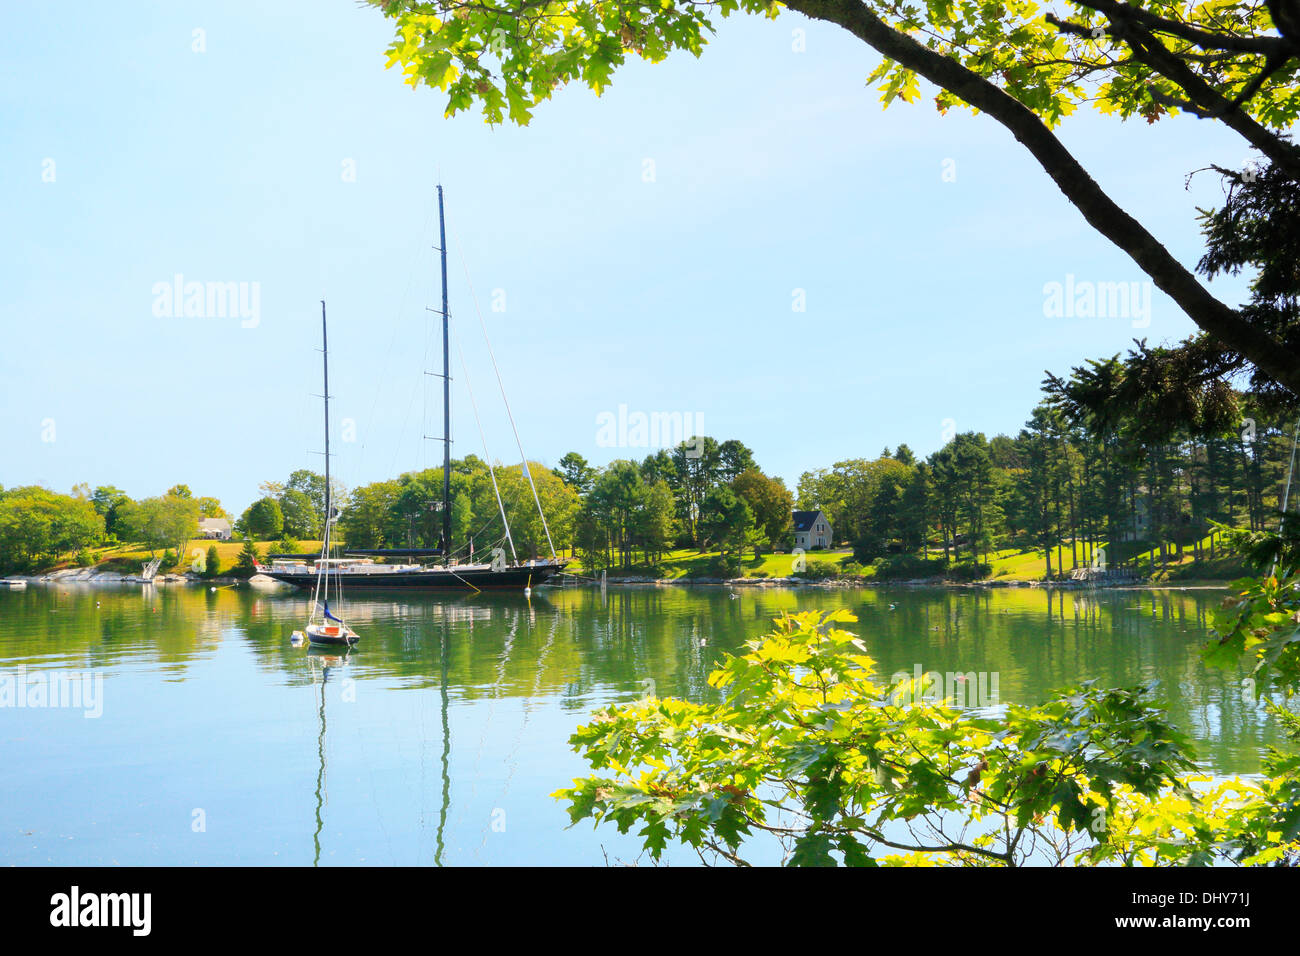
(329, 505)
(325, 359)
(446, 394)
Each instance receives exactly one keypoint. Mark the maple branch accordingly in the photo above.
(1101, 212)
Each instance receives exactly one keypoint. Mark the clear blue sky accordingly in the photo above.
(774, 171)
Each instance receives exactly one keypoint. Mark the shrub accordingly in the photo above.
(84, 558)
(812, 758)
(213, 567)
(971, 571)
(717, 566)
(248, 557)
(908, 566)
(818, 571)
(728, 565)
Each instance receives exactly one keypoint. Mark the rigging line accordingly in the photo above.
(500, 384)
(491, 546)
(463, 581)
(474, 534)
(511, 762)
(1286, 493)
(420, 246)
(537, 686)
(504, 660)
(487, 457)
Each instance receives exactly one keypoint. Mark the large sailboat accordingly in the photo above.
(359, 569)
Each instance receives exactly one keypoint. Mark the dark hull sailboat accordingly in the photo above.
(358, 571)
(476, 577)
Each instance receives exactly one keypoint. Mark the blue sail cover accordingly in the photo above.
(330, 616)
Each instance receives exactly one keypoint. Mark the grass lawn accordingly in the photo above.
(690, 563)
(1025, 565)
(1015, 564)
(129, 558)
(1008, 563)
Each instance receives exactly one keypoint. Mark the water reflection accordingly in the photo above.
(208, 705)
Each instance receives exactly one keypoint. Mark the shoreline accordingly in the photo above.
(90, 576)
(991, 584)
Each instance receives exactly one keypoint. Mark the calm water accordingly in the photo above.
(441, 737)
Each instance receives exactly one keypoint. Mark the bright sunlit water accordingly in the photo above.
(442, 735)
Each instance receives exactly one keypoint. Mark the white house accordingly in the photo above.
(812, 530)
(218, 528)
(1136, 526)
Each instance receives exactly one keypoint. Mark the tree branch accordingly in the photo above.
(1205, 39)
(1101, 212)
(1149, 50)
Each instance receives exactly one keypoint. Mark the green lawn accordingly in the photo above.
(130, 557)
(1019, 564)
(1008, 564)
(688, 562)
(1014, 564)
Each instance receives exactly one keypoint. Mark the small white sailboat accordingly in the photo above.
(329, 629)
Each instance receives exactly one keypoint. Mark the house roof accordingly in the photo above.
(214, 524)
(803, 520)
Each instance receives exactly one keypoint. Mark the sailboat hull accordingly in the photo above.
(331, 634)
(479, 578)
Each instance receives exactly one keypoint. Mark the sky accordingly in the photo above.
(747, 238)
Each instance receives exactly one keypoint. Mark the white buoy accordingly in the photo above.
(527, 592)
(296, 639)
(212, 589)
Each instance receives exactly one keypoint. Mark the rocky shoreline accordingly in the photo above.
(93, 576)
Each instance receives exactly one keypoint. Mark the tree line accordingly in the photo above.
(702, 494)
(1079, 493)
(40, 527)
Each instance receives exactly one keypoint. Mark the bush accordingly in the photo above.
(84, 558)
(213, 563)
(866, 550)
(972, 571)
(717, 566)
(248, 558)
(813, 756)
(817, 572)
(908, 566)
